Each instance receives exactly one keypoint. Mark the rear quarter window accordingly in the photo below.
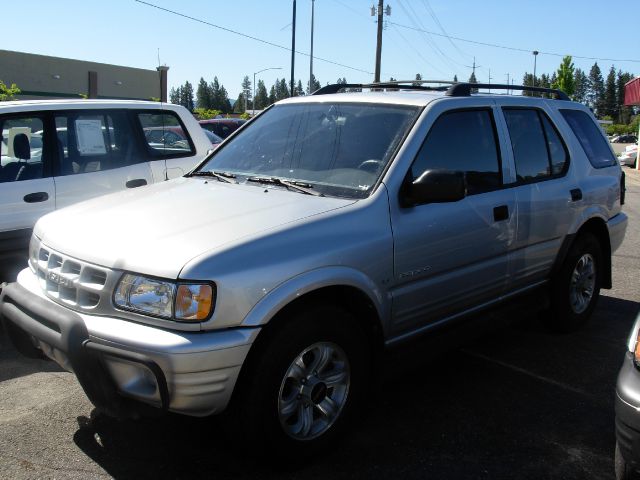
(590, 136)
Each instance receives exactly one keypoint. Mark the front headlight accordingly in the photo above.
(163, 298)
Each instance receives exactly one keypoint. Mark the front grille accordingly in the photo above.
(72, 282)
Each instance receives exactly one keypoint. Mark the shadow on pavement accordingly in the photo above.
(497, 398)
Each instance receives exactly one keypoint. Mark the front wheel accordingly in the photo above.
(303, 383)
(576, 286)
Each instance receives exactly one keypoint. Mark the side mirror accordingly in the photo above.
(435, 186)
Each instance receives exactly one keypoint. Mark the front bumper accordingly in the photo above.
(122, 366)
(627, 404)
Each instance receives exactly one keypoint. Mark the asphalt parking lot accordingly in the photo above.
(501, 398)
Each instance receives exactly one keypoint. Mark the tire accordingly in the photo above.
(302, 386)
(622, 468)
(576, 286)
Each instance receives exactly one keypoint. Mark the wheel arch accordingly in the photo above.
(597, 227)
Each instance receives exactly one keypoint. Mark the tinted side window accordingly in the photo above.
(462, 141)
(94, 141)
(165, 136)
(22, 149)
(528, 143)
(557, 150)
(590, 137)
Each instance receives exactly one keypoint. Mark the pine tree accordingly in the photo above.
(595, 95)
(187, 96)
(224, 100)
(565, 77)
(455, 78)
(527, 81)
(625, 112)
(581, 86)
(203, 95)
(610, 103)
(262, 99)
(472, 79)
(174, 95)
(238, 107)
(272, 95)
(299, 90)
(246, 89)
(313, 86)
(418, 77)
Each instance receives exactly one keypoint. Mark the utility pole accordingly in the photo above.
(535, 57)
(508, 83)
(380, 12)
(293, 47)
(313, 2)
(490, 77)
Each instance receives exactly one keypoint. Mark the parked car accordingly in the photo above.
(625, 139)
(268, 280)
(213, 138)
(629, 156)
(223, 127)
(55, 153)
(627, 454)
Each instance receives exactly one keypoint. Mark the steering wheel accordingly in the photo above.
(371, 166)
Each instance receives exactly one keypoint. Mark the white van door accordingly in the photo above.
(97, 153)
(26, 187)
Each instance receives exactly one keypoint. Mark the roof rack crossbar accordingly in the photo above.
(395, 84)
(464, 89)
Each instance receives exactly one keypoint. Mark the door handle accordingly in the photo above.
(500, 213)
(36, 197)
(138, 182)
(576, 194)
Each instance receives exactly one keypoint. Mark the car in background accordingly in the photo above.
(629, 156)
(625, 139)
(627, 404)
(223, 127)
(213, 138)
(58, 152)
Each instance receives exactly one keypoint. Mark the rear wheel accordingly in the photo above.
(622, 468)
(576, 286)
(303, 384)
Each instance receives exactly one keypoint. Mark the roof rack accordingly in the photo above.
(394, 84)
(465, 89)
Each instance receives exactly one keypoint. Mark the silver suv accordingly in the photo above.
(267, 280)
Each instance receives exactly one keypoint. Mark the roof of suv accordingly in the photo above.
(18, 105)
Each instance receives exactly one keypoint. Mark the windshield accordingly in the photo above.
(339, 149)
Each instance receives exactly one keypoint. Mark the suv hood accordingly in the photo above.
(156, 230)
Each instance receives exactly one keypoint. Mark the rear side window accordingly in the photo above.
(538, 151)
(590, 137)
(463, 141)
(94, 141)
(22, 148)
(165, 135)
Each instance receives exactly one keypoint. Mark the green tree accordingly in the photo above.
(473, 79)
(262, 99)
(595, 95)
(238, 107)
(418, 77)
(610, 102)
(174, 95)
(203, 95)
(527, 81)
(314, 85)
(581, 88)
(565, 76)
(246, 90)
(299, 90)
(187, 96)
(8, 92)
(624, 116)
(272, 95)
(455, 78)
(206, 113)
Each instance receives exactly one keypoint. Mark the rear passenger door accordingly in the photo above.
(169, 148)
(543, 192)
(97, 154)
(26, 186)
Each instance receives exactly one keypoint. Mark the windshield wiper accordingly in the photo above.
(221, 176)
(299, 186)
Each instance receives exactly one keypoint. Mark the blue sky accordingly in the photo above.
(126, 32)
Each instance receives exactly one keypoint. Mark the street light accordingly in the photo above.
(535, 57)
(254, 85)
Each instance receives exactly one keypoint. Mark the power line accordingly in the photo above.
(527, 50)
(266, 42)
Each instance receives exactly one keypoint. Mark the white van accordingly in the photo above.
(59, 152)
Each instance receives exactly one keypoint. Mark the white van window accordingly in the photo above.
(22, 149)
